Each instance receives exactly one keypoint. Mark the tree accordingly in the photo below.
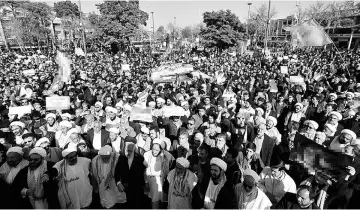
(66, 9)
(120, 20)
(258, 21)
(223, 29)
(187, 32)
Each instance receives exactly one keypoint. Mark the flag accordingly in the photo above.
(309, 33)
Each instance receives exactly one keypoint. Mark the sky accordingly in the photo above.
(189, 12)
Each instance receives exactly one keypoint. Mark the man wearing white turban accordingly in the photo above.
(34, 180)
(103, 166)
(181, 183)
(75, 190)
(218, 195)
(8, 172)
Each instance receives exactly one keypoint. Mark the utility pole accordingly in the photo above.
(174, 28)
(267, 27)
(83, 28)
(3, 35)
(247, 25)
(152, 15)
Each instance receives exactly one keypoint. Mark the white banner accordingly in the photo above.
(125, 67)
(20, 110)
(30, 72)
(58, 103)
(79, 51)
(284, 70)
(141, 114)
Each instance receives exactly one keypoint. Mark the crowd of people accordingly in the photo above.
(229, 146)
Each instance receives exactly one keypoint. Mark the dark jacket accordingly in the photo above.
(90, 138)
(133, 179)
(266, 149)
(20, 182)
(289, 201)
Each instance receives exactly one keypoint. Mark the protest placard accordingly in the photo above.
(173, 111)
(79, 51)
(125, 67)
(273, 86)
(58, 103)
(316, 158)
(20, 110)
(141, 114)
(30, 72)
(297, 80)
(284, 70)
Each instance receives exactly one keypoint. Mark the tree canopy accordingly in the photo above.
(120, 20)
(66, 9)
(223, 29)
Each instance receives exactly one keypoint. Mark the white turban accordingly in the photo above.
(145, 130)
(272, 119)
(260, 110)
(160, 100)
(127, 107)
(72, 131)
(105, 150)
(111, 109)
(17, 123)
(299, 104)
(114, 130)
(333, 94)
(331, 127)
(152, 103)
(50, 115)
(16, 150)
(184, 103)
(350, 132)
(66, 115)
(42, 141)
(352, 95)
(313, 123)
(67, 151)
(65, 124)
(218, 162)
(99, 104)
(337, 114)
(119, 104)
(38, 150)
(182, 162)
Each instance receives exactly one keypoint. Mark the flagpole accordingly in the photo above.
(267, 27)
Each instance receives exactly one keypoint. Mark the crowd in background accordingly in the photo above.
(229, 148)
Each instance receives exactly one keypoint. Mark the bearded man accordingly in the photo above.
(75, 190)
(8, 172)
(181, 183)
(248, 195)
(218, 195)
(33, 182)
(103, 166)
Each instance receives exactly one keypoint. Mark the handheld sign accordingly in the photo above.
(125, 67)
(284, 70)
(30, 72)
(141, 114)
(58, 103)
(20, 110)
(273, 86)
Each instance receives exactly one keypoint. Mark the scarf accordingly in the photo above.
(97, 170)
(244, 197)
(34, 182)
(181, 187)
(63, 195)
(5, 169)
